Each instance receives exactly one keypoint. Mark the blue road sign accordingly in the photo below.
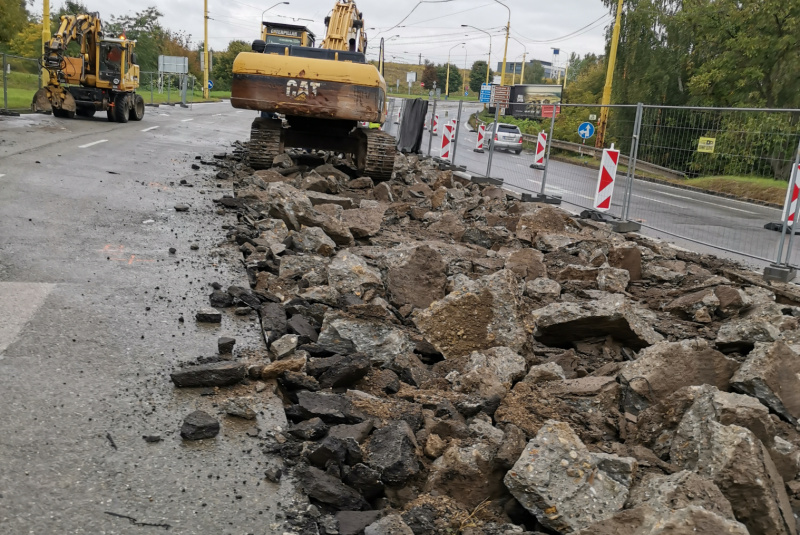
(586, 130)
(486, 93)
(210, 84)
(466, 93)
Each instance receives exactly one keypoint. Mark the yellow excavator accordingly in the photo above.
(323, 93)
(103, 78)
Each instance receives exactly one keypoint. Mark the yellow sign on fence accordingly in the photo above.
(707, 144)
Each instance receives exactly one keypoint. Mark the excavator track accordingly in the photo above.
(265, 142)
(376, 159)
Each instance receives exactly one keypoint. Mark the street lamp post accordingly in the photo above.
(447, 77)
(489, 62)
(524, 55)
(263, 12)
(505, 52)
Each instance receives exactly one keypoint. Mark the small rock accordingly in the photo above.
(208, 315)
(239, 407)
(199, 425)
(389, 525)
(225, 345)
(215, 374)
(181, 207)
(283, 346)
(152, 438)
(313, 429)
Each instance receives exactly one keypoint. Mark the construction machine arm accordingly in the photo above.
(85, 27)
(345, 28)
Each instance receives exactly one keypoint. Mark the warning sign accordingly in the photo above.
(707, 144)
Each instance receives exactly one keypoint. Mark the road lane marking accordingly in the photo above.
(240, 111)
(186, 120)
(148, 129)
(92, 143)
(1, 176)
(707, 202)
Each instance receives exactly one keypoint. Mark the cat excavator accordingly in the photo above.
(103, 78)
(323, 93)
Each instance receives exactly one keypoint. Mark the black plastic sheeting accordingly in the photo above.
(412, 126)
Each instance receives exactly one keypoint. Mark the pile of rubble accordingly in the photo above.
(453, 360)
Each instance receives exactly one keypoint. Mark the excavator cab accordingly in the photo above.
(110, 61)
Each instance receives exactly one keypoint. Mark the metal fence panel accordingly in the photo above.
(719, 145)
(20, 79)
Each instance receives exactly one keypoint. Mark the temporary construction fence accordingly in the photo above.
(21, 78)
(660, 147)
(168, 88)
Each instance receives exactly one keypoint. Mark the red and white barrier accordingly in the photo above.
(481, 138)
(606, 179)
(790, 206)
(447, 142)
(541, 148)
(436, 125)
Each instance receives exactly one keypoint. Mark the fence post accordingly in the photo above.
(151, 88)
(430, 126)
(169, 86)
(634, 154)
(455, 134)
(491, 143)
(549, 145)
(5, 84)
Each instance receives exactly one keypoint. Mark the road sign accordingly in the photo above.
(486, 93)
(411, 77)
(497, 80)
(210, 84)
(173, 64)
(500, 95)
(586, 130)
(592, 117)
(541, 146)
(466, 93)
(706, 144)
(606, 179)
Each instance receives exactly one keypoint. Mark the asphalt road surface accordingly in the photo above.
(693, 220)
(92, 302)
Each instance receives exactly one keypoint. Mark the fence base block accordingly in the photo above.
(479, 179)
(478, 150)
(779, 273)
(538, 197)
(9, 113)
(537, 167)
(625, 226)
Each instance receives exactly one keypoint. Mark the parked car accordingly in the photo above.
(507, 137)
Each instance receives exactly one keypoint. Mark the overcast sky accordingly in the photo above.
(431, 29)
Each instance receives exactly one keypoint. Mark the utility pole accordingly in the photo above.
(505, 52)
(612, 59)
(522, 74)
(420, 58)
(205, 49)
(45, 37)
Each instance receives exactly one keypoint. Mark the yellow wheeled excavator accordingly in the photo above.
(104, 77)
(323, 93)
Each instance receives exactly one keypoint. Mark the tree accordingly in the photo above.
(455, 78)
(477, 75)
(429, 75)
(222, 72)
(534, 73)
(13, 19)
(577, 65)
(28, 42)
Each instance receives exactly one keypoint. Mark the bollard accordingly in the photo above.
(493, 133)
(481, 138)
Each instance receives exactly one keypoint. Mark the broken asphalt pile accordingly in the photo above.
(453, 360)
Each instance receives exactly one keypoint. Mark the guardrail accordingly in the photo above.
(597, 154)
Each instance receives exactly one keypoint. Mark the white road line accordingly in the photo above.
(240, 111)
(706, 202)
(19, 301)
(186, 120)
(1, 176)
(217, 114)
(92, 143)
(148, 129)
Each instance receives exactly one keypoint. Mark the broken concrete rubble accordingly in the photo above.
(425, 335)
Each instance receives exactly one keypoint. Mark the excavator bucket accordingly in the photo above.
(49, 97)
(41, 101)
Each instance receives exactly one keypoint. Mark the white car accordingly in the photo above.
(507, 137)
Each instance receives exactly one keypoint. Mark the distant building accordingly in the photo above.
(516, 68)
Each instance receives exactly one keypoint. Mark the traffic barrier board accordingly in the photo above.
(481, 137)
(447, 138)
(791, 209)
(435, 130)
(541, 146)
(606, 179)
